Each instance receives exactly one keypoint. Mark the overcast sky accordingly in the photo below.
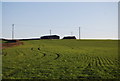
(0, 19)
(35, 19)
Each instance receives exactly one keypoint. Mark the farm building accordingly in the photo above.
(50, 37)
(69, 37)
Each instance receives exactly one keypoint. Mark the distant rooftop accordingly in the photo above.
(50, 37)
(69, 37)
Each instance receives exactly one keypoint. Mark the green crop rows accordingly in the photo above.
(62, 59)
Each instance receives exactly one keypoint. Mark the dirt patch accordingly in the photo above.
(6, 45)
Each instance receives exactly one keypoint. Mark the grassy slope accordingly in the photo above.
(62, 59)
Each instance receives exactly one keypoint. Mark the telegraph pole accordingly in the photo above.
(79, 32)
(50, 32)
(12, 31)
(71, 33)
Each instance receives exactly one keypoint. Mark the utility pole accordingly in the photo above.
(12, 31)
(50, 32)
(79, 32)
(71, 33)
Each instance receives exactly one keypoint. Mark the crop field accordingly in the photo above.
(61, 59)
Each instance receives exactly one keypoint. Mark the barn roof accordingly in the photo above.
(69, 37)
(50, 35)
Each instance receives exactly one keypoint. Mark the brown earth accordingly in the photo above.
(6, 45)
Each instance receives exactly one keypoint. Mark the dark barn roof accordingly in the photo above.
(50, 37)
(69, 37)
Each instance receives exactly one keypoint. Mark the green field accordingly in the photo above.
(61, 59)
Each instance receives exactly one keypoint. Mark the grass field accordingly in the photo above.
(62, 59)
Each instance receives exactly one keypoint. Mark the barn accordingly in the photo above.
(50, 37)
(69, 37)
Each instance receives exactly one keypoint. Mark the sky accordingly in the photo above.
(97, 20)
(60, 0)
(0, 19)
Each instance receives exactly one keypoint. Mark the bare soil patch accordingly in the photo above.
(6, 45)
